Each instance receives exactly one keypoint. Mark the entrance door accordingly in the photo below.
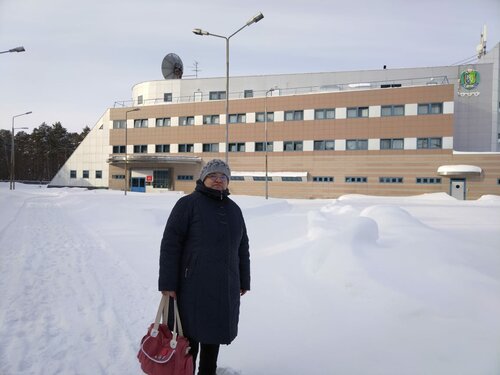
(457, 188)
(138, 184)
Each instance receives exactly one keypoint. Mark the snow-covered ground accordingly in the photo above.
(358, 285)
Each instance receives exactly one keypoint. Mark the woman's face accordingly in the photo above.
(217, 181)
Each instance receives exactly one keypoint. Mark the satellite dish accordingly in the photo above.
(172, 67)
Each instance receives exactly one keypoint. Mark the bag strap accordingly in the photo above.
(162, 315)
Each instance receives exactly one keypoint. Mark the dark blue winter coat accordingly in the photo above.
(204, 258)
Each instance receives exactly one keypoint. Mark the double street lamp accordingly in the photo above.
(17, 49)
(126, 144)
(12, 153)
(251, 21)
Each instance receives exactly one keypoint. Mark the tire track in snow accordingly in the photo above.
(65, 313)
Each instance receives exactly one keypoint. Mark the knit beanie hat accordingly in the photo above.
(215, 166)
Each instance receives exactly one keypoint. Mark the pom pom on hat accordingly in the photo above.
(215, 166)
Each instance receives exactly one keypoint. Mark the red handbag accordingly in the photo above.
(165, 352)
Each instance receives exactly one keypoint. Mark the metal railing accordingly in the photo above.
(327, 88)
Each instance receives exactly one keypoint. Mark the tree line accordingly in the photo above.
(39, 155)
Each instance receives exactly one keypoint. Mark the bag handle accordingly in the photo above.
(162, 315)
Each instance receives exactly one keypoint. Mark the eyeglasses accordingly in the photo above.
(215, 177)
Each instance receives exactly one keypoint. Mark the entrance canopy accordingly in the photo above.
(459, 170)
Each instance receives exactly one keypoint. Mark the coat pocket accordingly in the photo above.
(190, 266)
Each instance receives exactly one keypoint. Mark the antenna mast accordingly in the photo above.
(481, 47)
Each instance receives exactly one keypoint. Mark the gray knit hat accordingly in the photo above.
(215, 166)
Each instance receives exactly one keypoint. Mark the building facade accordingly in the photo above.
(313, 135)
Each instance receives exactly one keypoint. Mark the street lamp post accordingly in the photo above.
(126, 144)
(265, 139)
(251, 21)
(12, 153)
(17, 49)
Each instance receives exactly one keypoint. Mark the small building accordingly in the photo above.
(312, 135)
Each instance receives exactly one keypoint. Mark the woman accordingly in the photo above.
(205, 264)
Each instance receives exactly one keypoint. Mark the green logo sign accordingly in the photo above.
(469, 79)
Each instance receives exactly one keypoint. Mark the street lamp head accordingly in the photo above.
(17, 49)
(28, 113)
(200, 32)
(255, 18)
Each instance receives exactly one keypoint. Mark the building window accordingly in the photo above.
(324, 114)
(140, 149)
(162, 148)
(392, 110)
(186, 147)
(357, 144)
(217, 95)
(140, 99)
(262, 178)
(167, 97)
(162, 122)
(186, 121)
(237, 118)
(211, 119)
(324, 145)
(384, 86)
(261, 117)
(390, 180)
(248, 93)
(322, 179)
(498, 181)
(161, 179)
(210, 147)
(185, 177)
(98, 175)
(430, 109)
(237, 178)
(118, 177)
(260, 146)
(294, 115)
(236, 147)
(291, 179)
(355, 112)
(356, 179)
(72, 174)
(392, 144)
(293, 146)
(85, 174)
(118, 149)
(427, 143)
(428, 180)
(141, 123)
(119, 124)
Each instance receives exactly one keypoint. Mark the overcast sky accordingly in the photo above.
(82, 56)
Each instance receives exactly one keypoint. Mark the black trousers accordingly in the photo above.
(208, 357)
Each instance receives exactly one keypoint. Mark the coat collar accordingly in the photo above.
(212, 193)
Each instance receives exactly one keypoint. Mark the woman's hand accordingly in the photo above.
(169, 293)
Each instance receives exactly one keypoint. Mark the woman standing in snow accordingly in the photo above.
(205, 264)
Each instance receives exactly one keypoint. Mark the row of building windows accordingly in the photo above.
(294, 115)
(319, 145)
(347, 179)
(212, 95)
(85, 174)
(161, 178)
